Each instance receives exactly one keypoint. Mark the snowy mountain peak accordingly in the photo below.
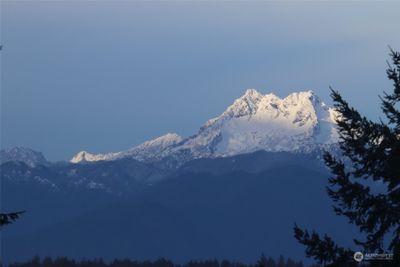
(30, 157)
(299, 122)
(81, 156)
(245, 105)
(252, 94)
(254, 102)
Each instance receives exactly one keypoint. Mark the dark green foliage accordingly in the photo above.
(373, 151)
(264, 261)
(65, 262)
(324, 250)
(7, 218)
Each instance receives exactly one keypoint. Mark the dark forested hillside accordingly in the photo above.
(236, 215)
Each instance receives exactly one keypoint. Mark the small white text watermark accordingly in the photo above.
(359, 256)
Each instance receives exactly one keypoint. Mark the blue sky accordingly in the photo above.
(105, 76)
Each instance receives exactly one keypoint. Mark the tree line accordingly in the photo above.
(66, 262)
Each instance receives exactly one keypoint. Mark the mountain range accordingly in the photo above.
(233, 190)
(301, 122)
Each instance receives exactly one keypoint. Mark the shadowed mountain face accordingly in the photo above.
(126, 176)
(213, 212)
(22, 154)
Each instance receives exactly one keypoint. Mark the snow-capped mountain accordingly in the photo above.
(300, 122)
(30, 157)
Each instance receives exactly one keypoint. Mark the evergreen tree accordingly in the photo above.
(371, 156)
(47, 262)
(265, 262)
(7, 218)
(281, 262)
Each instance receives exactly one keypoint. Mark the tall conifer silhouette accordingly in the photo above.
(371, 153)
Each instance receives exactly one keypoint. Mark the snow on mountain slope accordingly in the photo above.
(141, 152)
(149, 149)
(22, 154)
(84, 156)
(299, 122)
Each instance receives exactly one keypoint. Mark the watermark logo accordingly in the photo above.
(358, 256)
(378, 256)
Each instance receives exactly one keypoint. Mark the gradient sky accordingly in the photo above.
(105, 76)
